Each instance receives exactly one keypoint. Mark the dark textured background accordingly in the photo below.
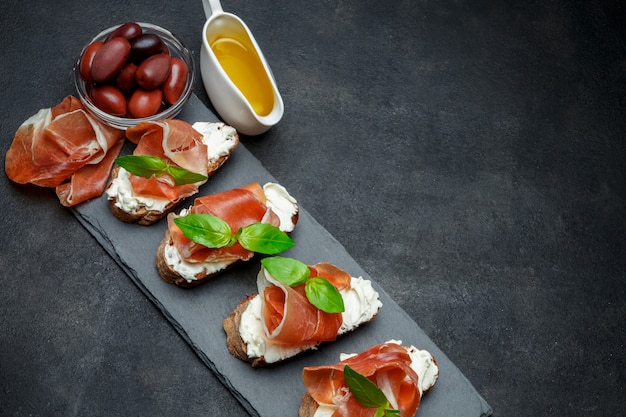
(469, 155)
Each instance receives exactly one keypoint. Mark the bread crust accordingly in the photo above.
(236, 346)
(308, 406)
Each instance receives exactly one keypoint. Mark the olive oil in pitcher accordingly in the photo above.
(242, 64)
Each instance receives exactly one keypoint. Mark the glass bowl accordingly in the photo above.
(176, 49)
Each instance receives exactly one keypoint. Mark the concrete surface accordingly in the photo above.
(470, 155)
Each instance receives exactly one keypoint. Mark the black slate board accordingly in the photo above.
(197, 314)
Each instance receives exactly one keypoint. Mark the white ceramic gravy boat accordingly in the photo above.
(235, 74)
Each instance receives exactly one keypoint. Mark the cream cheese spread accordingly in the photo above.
(361, 305)
(189, 270)
(125, 199)
(277, 196)
(281, 203)
(422, 362)
(425, 367)
(218, 137)
(220, 140)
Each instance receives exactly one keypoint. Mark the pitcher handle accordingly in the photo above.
(211, 7)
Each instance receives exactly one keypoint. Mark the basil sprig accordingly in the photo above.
(213, 232)
(367, 393)
(148, 165)
(318, 290)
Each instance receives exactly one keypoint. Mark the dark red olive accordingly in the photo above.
(146, 45)
(109, 59)
(153, 71)
(175, 83)
(145, 103)
(109, 99)
(125, 81)
(86, 59)
(127, 31)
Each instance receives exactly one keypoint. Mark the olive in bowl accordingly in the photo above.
(134, 72)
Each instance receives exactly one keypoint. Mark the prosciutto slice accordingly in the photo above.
(238, 207)
(65, 148)
(176, 142)
(388, 365)
(290, 319)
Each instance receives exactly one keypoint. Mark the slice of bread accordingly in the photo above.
(239, 348)
(221, 140)
(308, 406)
(174, 270)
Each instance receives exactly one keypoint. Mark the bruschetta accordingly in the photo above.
(186, 260)
(284, 320)
(148, 187)
(384, 379)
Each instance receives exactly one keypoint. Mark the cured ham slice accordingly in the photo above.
(238, 207)
(64, 147)
(89, 181)
(337, 276)
(173, 139)
(388, 365)
(290, 318)
(176, 142)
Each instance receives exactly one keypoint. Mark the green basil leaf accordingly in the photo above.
(264, 238)
(380, 412)
(391, 412)
(142, 165)
(183, 176)
(286, 270)
(365, 391)
(148, 165)
(207, 230)
(323, 295)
